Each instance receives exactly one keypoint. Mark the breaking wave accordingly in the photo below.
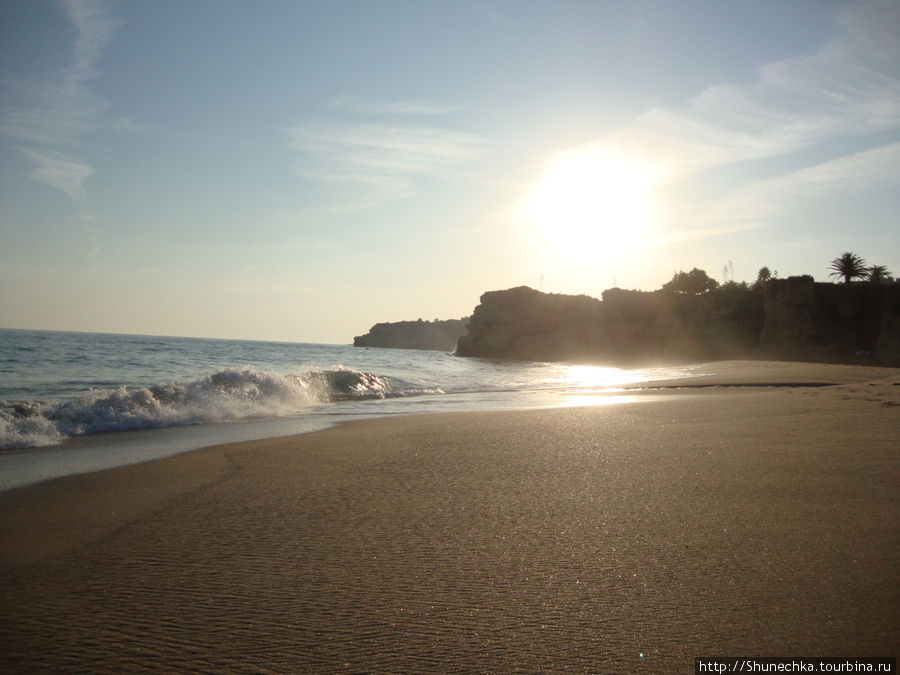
(226, 395)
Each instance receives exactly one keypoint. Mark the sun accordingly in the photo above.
(590, 204)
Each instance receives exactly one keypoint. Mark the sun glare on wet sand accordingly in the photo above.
(590, 203)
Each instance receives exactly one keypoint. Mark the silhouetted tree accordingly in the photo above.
(762, 277)
(879, 274)
(849, 266)
(695, 282)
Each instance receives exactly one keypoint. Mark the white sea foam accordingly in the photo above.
(54, 386)
(24, 426)
(226, 395)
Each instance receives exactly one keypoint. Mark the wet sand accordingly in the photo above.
(756, 520)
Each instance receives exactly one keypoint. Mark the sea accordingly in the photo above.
(73, 403)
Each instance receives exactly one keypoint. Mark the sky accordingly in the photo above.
(299, 171)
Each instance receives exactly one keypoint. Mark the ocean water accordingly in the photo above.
(77, 402)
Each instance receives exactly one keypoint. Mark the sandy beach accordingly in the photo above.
(725, 520)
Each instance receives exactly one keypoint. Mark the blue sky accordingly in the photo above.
(302, 170)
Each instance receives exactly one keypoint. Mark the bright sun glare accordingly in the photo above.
(590, 204)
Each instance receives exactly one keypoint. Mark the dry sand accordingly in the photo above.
(621, 538)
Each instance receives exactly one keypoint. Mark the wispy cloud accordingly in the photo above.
(365, 106)
(758, 201)
(60, 171)
(385, 159)
(52, 117)
(692, 234)
(94, 28)
(849, 88)
(494, 16)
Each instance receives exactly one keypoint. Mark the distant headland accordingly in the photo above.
(437, 334)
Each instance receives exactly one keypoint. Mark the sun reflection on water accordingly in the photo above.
(596, 377)
(582, 385)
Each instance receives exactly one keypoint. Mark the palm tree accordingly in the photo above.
(878, 274)
(849, 266)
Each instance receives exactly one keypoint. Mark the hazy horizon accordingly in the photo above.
(301, 171)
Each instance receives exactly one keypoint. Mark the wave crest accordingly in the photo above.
(222, 396)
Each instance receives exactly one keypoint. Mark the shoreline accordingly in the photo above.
(623, 538)
(737, 373)
(97, 452)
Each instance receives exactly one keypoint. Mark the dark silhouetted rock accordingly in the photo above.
(438, 335)
(789, 319)
(837, 323)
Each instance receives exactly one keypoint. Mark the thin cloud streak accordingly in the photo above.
(364, 106)
(684, 235)
(495, 16)
(763, 200)
(54, 120)
(62, 113)
(849, 88)
(387, 158)
(758, 203)
(94, 29)
(60, 171)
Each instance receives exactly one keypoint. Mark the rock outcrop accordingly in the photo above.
(438, 335)
(837, 323)
(790, 319)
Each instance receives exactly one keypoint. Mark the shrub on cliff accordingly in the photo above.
(764, 275)
(694, 282)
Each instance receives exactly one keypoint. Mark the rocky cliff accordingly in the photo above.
(805, 321)
(439, 335)
(790, 319)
